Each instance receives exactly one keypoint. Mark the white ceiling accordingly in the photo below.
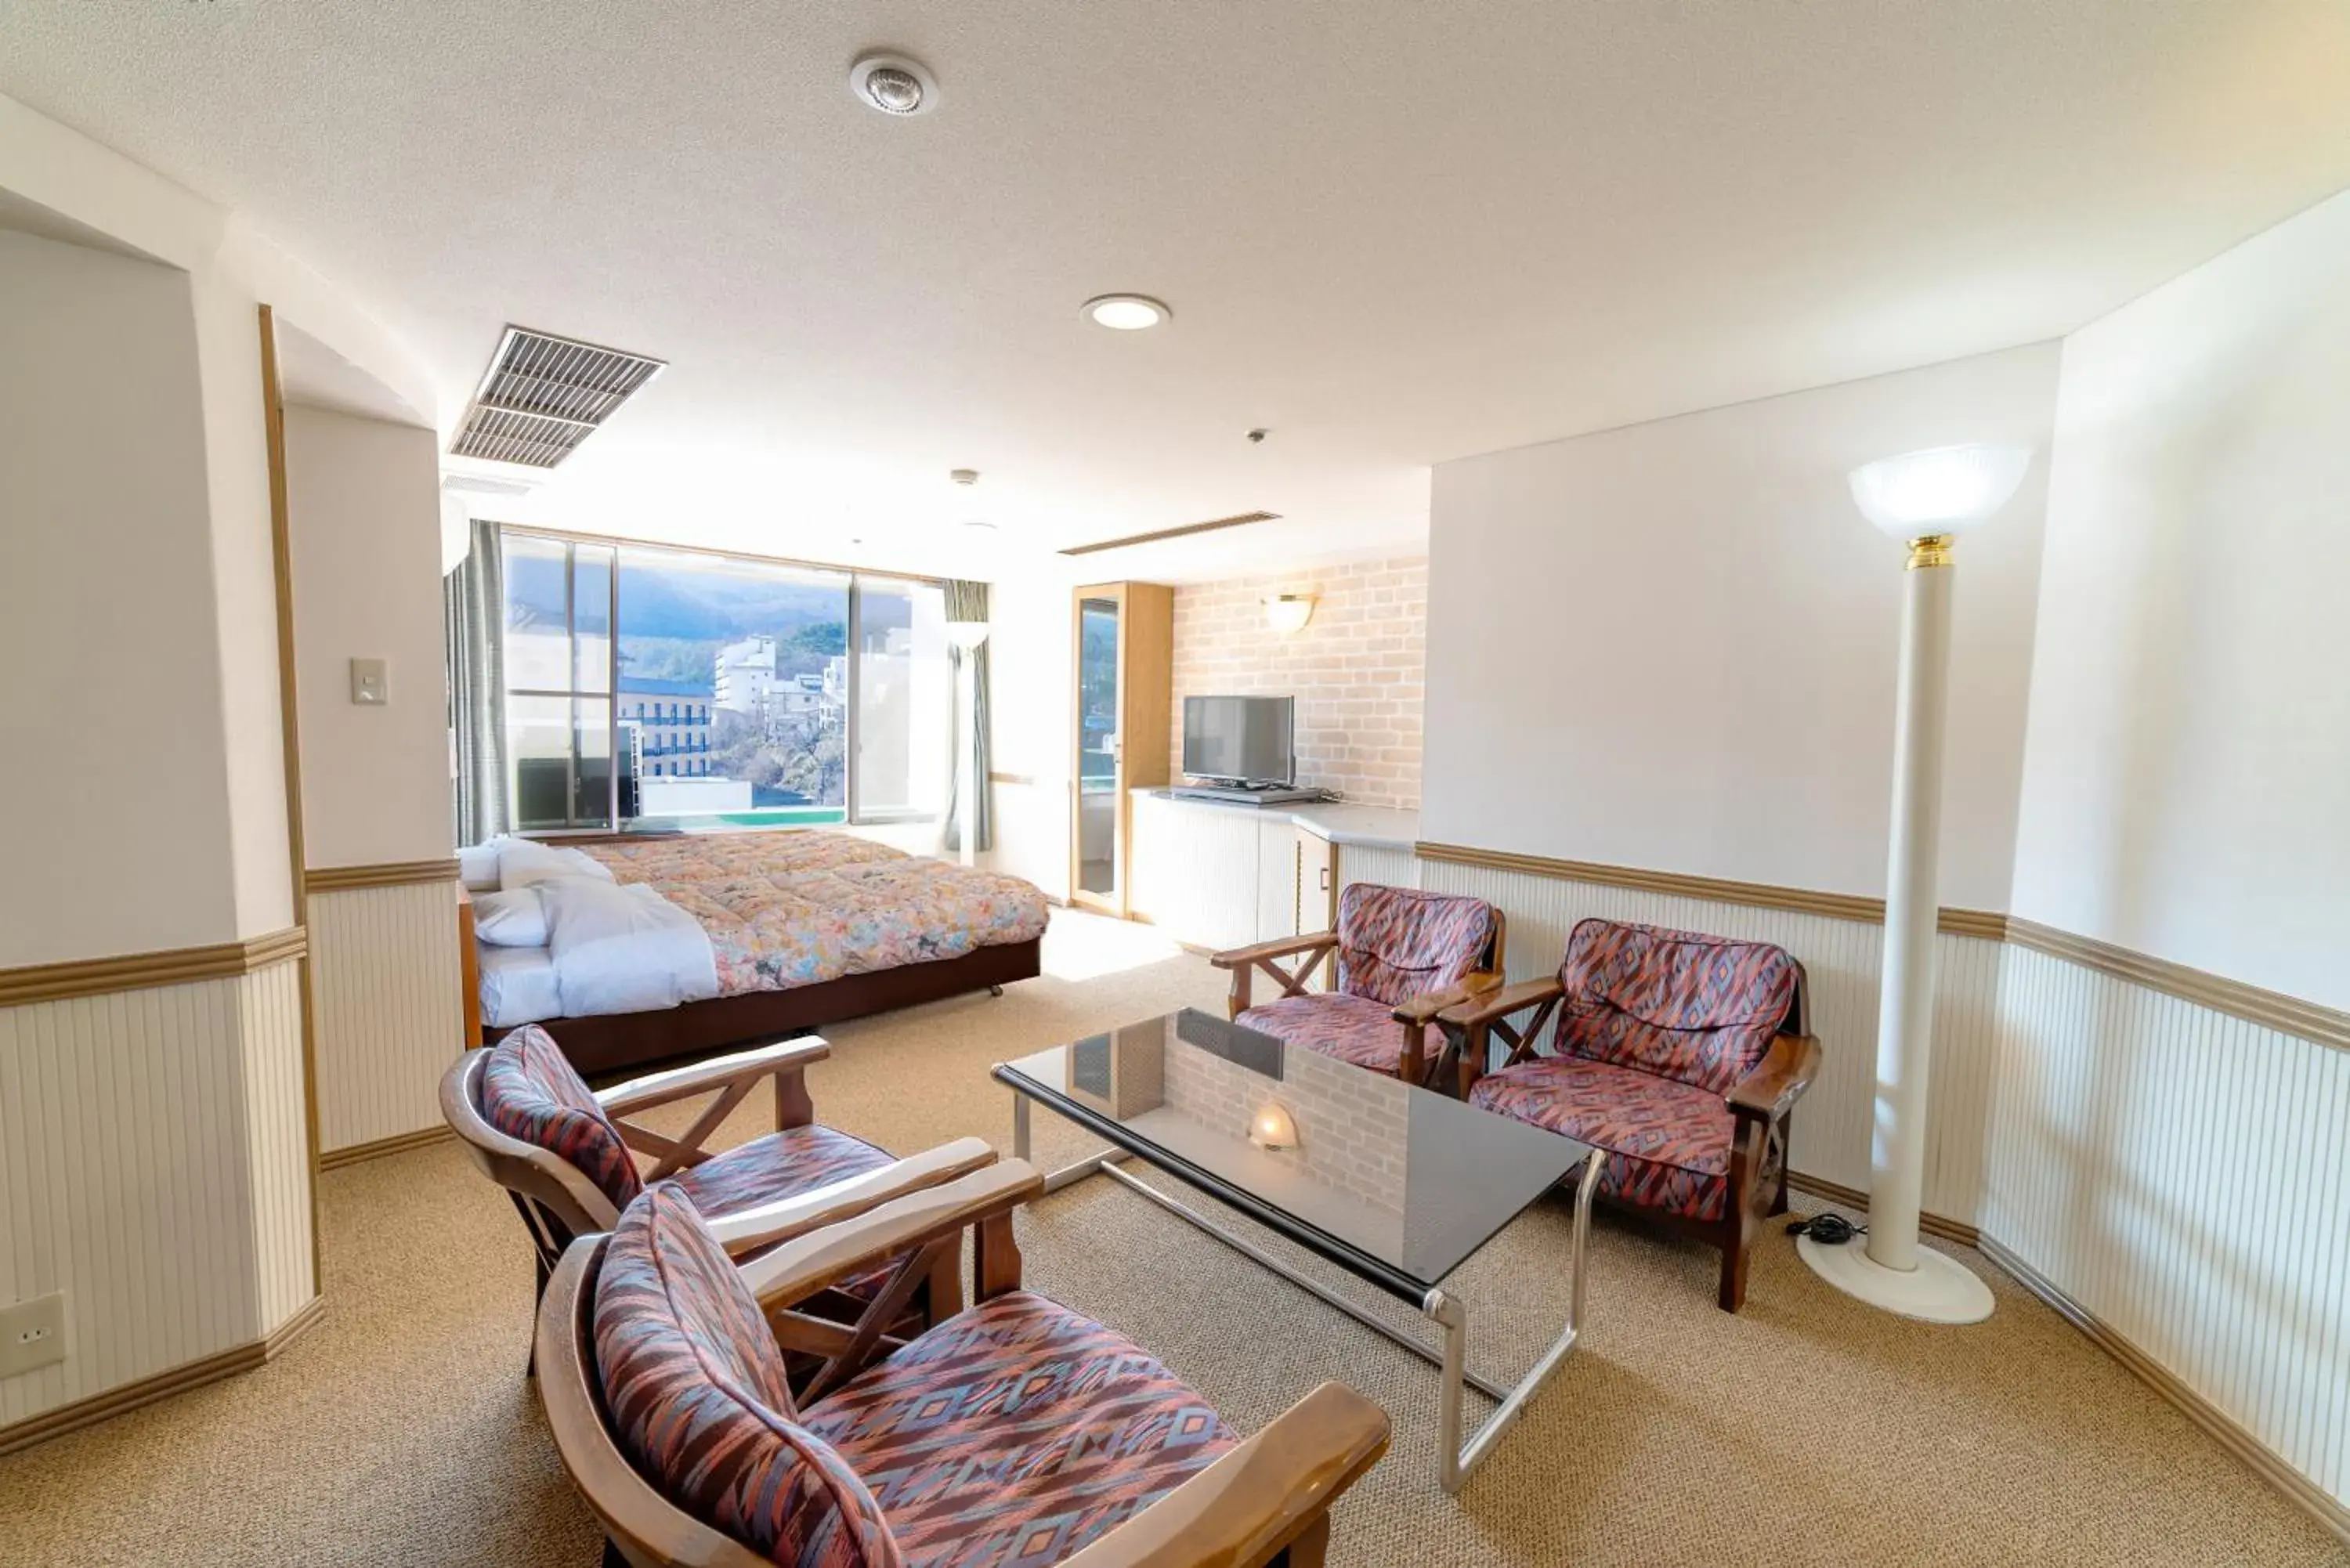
(308, 371)
(1394, 232)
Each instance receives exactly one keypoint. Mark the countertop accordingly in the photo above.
(1340, 822)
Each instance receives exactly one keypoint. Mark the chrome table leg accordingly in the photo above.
(1077, 1171)
(1454, 1461)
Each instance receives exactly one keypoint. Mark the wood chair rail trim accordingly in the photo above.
(390, 874)
(2274, 1010)
(141, 971)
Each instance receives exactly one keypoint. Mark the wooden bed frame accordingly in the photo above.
(629, 1040)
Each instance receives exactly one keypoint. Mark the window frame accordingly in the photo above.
(612, 825)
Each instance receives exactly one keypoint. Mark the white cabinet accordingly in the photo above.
(1277, 862)
(1223, 876)
(1194, 871)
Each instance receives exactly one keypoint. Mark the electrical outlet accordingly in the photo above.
(32, 1334)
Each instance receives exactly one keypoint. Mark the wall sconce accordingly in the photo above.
(1273, 1126)
(1286, 612)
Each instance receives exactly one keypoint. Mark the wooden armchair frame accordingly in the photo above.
(1267, 1500)
(1413, 1015)
(559, 1203)
(1762, 1104)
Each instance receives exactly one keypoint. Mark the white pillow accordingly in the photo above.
(477, 865)
(523, 861)
(512, 919)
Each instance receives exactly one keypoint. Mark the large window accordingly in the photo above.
(658, 688)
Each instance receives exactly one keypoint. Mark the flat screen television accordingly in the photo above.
(1242, 740)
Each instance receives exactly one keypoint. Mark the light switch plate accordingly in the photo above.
(371, 683)
(32, 1334)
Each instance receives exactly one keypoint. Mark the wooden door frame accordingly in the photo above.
(1121, 805)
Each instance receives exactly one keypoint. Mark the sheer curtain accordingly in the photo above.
(968, 601)
(473, 604)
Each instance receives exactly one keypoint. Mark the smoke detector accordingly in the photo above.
(894, 84)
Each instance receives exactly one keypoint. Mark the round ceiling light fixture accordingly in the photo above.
(1126, 312)
(894, 84)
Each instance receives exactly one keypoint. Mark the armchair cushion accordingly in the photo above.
(776, 1166)
(1668, 1142)
(1012, 1433)
(1015, 1433)
(1702, 1009)
(698, 1399)
(530, 1091)
(1352, 1028)
(1395, 943)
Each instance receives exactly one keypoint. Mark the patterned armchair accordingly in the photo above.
(1401, 957)
(1680, 1054)
(569, 1157)
(1016, 1432)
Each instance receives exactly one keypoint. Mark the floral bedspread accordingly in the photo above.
(786, 908)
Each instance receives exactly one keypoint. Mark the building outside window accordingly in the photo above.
(650, 688)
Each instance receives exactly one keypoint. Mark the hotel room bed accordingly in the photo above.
(630, 951)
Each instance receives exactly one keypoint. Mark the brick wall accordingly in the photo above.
(1355, 670)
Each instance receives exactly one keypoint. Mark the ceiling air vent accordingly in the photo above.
(1213, 523)
(545, 395)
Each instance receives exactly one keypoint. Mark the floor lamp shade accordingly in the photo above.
(1950, 490)
(1925, 498)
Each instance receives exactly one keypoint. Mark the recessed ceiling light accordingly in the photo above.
(893, 84)
(980, 523)
(1126, 312)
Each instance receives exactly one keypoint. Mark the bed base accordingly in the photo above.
(624, 1041)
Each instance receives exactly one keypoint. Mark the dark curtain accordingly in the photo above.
(968, 601)
(473, 603)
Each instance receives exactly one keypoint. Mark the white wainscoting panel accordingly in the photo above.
(385, 974)
(145, 1172)
(277, 1134)
(2185, 1176)
(1387, 868)
(1833, 1125)
(1030, 827)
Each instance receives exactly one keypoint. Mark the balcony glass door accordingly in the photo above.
(1099, 773)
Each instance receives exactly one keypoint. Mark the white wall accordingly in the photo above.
(109, 629)
(1672, 646)
(2188, 771)
(162, 1129)
(364, 500)
(244, 584)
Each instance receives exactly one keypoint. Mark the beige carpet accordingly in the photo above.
(1806, 1431)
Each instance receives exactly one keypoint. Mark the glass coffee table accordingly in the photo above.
(1395, 1184)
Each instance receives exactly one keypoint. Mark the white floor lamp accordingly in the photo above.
(966, 636)
(1927, 498)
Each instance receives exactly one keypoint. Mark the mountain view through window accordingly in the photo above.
(655, 687)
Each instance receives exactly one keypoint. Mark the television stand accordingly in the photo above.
(1244, 793)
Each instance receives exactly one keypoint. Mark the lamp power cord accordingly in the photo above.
(1827, 1229)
